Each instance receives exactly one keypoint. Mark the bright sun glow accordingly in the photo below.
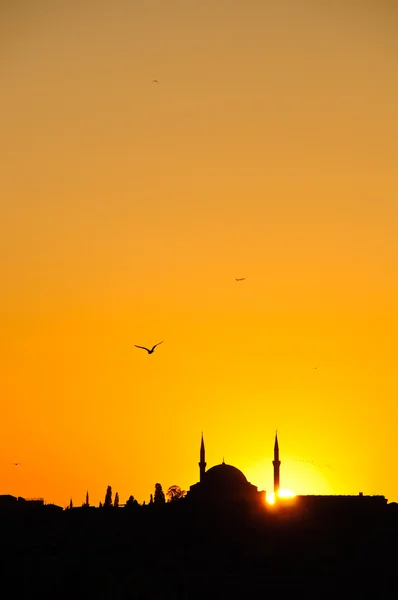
(281, 494)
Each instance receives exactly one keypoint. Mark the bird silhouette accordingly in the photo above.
(240, 278)
(155, 81)
(150, 351)
(16, 464)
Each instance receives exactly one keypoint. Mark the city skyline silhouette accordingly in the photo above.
(218, 539)
(225, 479)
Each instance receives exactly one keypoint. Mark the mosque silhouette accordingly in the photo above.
(224, 483)
(225, 486)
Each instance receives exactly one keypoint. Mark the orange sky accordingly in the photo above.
(268, 151)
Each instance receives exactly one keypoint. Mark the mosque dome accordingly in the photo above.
(225, 476)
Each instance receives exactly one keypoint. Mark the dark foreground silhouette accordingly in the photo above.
(179, 551)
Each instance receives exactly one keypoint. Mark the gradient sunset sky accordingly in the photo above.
(268, 150)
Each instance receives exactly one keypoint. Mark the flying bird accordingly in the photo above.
(16, 464)
(150, 351)
(155, 81)
(240, 278)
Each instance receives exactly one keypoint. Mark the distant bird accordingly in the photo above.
(16, 464)
(155, 81)
(240, 278)
(150, 351)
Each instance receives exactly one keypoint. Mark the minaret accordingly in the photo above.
(277, 463)
(202, 464)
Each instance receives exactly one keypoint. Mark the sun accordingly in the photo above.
(281, 494)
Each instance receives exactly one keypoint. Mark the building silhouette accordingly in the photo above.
(223, 485)
(18, 504)
(226, 486)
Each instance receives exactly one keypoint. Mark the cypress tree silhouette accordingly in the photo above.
(108, 497)
(159, 494)
(116, 502)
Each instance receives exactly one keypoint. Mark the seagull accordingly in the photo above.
(150, 351)
(240, 278)
(155, 81)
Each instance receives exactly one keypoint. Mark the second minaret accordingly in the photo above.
(277, 463)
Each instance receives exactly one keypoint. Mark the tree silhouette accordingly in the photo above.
(71, 503)
(108, 497)
(159, 494)
(116, 503)
(151, 499)
(175, 493)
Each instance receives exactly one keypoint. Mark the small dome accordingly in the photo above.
(225, 475)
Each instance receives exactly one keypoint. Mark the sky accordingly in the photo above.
(268, 150)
